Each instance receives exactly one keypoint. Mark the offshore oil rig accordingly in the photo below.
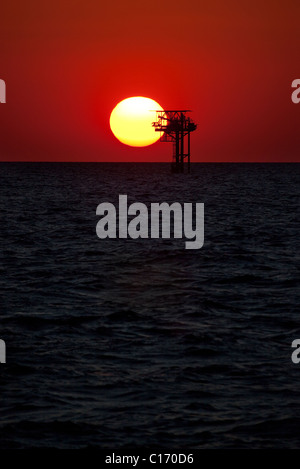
(175, 126)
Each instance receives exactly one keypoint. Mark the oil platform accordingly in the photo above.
(175, 126)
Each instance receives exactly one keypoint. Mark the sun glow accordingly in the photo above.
(131, 121)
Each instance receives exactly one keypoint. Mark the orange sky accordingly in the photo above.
(68, 63)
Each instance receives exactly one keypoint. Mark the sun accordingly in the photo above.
(131, 121)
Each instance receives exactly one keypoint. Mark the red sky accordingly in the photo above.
(67, 63)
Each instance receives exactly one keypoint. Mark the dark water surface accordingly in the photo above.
(141, 343)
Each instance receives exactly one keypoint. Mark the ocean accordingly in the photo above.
(141, 343)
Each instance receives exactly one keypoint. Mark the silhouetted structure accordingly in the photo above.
(176, 125)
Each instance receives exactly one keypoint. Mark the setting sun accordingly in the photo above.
(131, 121)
